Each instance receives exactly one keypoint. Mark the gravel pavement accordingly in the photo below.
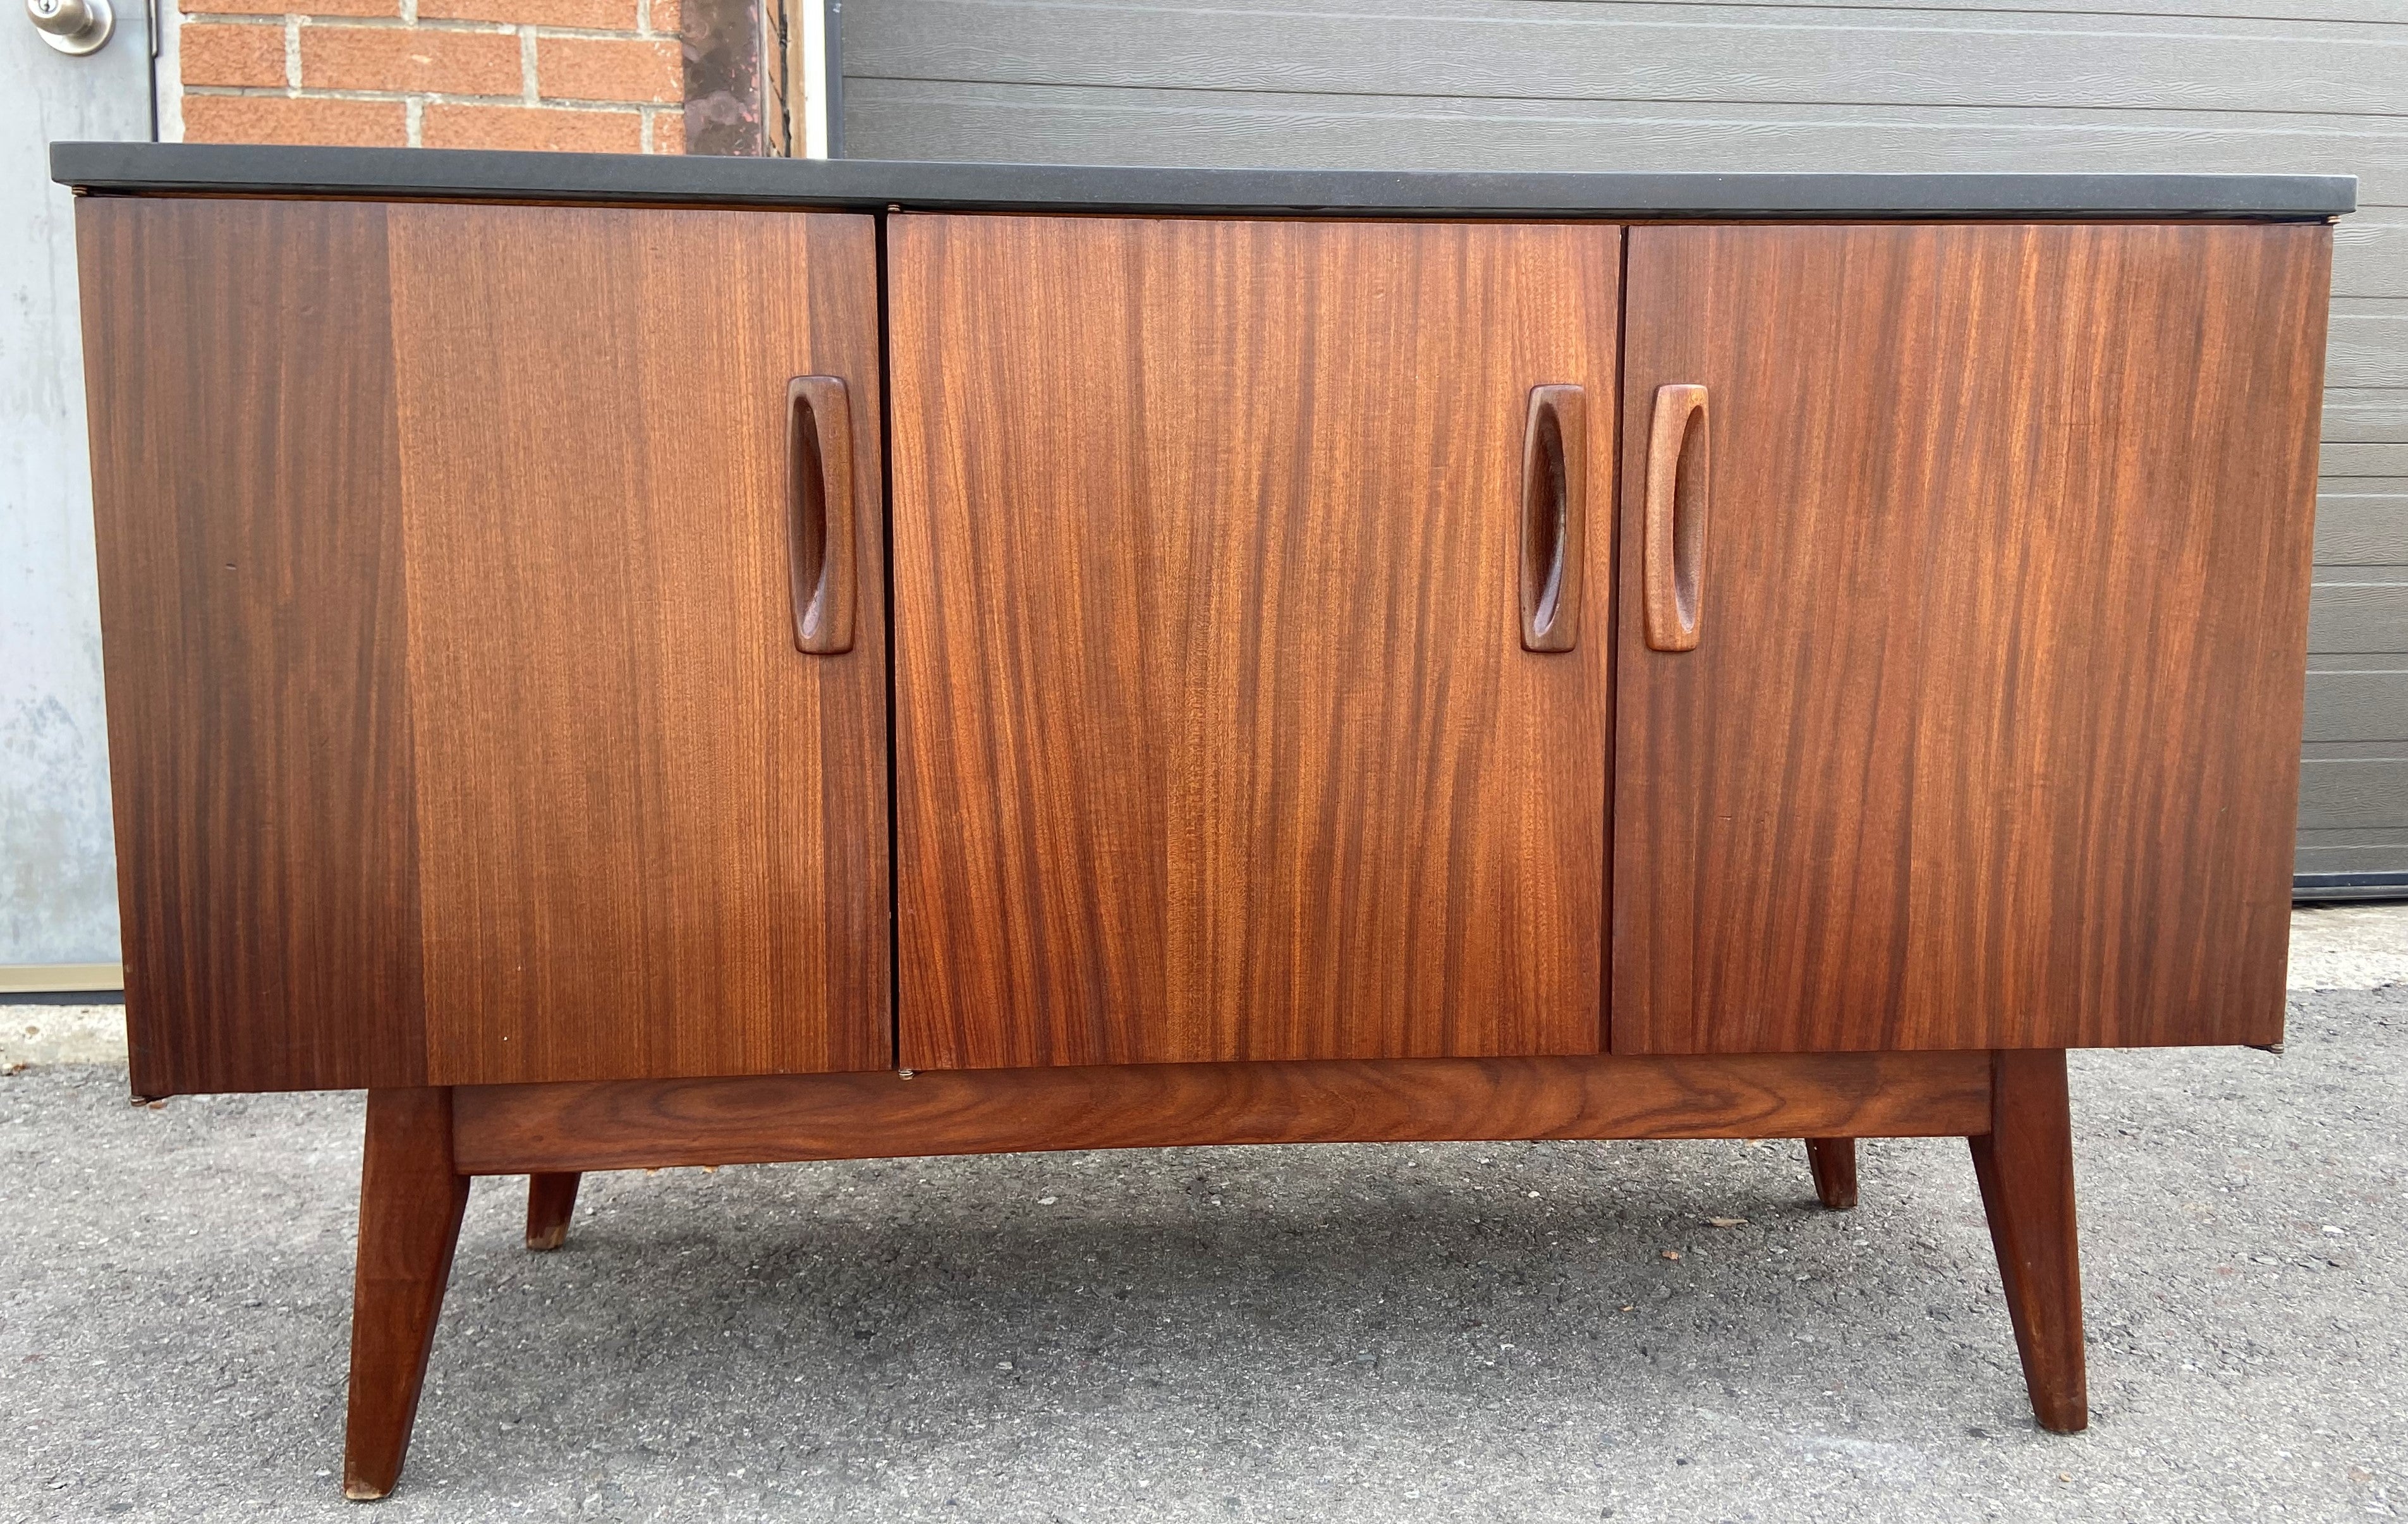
(1461, 1331)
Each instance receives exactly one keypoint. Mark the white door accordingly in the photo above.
(58, 878)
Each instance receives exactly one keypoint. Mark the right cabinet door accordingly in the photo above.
(1993, 543)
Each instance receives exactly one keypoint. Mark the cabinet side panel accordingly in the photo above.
(1992, 740)
(246, 501)
(1216, 737)
(653, 833)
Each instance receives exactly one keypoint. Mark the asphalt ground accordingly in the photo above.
(1393, 1333)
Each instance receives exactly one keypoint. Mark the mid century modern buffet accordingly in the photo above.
(643, 662)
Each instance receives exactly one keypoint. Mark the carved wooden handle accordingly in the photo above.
(819, 512)
(1555, 476)
(1678, 472)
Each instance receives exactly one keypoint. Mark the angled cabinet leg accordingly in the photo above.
(1834, 1162)
(550, 1198)
(2025, 1167)
(410, 1202)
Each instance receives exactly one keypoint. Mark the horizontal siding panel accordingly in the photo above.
(2357, 706)
(2362, 836)
(2312, 12)
(2367, 793)
(2363, 460)
(2383, 858)
(2345, 16)
(2356, 661)
(2369, 257)
(2367, 415)
(2363, 849)
(1654, 52)
(2366, 349)
(2359, 616)
(2369, 530)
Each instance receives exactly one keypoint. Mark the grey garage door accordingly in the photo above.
(2263, 85)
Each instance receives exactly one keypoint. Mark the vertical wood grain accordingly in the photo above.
(410, 1205)
(652, 833)
(245, 496)
(1992, 740)
(1215, 738)
(2024, 1166)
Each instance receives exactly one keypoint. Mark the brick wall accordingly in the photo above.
(601, 76)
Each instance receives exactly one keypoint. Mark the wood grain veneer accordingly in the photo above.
(411, 1200)
(2024, 1165)
(552, 1199)
(1215, 738)
(507, 1129)
(457, 726)
(1678, 472)
(1555, 517)
(652, 834)
(1254, 683)
(246, 498)
(1992, 736)
(1834, 1163)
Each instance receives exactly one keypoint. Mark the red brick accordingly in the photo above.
(277, 7)
(608, 69)
(236, 53)
(668, 131)
(531, 128)
(593, 15)
(410, 58)
(286, 119)
(665, 18)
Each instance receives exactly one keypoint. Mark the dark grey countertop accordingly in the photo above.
(381, 173)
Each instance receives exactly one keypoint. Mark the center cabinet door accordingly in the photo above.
(1216, 733)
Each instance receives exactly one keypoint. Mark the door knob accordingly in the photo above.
(75, 27)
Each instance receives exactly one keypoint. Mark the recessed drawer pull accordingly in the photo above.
(819, 512)
(1554, 472)
(1678, 472)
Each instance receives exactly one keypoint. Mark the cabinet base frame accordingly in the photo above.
(422, 1144)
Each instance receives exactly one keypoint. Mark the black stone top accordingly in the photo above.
(455, 175)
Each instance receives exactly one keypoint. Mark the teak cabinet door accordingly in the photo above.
(1990, 734)
(1216, 735)
(458, 726)
(651, 830)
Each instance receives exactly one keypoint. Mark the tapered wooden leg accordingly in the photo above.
(550, 1198)
(2025, 1167)
(410, 1202)
(1834, 1162)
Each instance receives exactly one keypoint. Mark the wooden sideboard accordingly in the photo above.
(682, 662)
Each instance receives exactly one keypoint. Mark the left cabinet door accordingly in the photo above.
(458, 727)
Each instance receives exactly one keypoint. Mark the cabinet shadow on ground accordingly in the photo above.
(1263, 1294)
